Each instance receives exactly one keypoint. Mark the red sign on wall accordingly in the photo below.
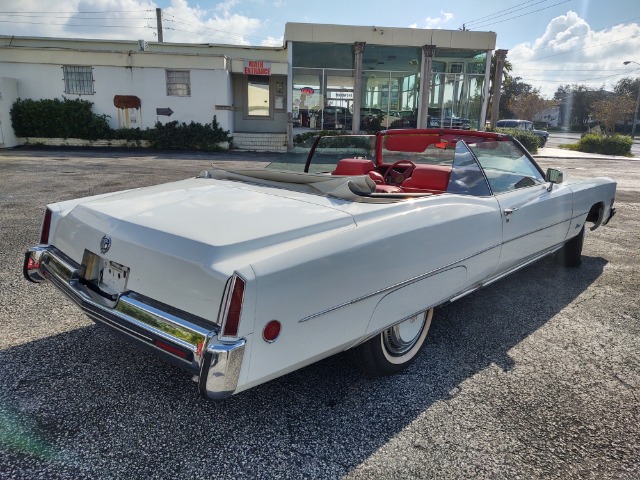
(307, 90)
(257, 67)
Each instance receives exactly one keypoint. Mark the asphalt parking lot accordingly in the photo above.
(536, 376)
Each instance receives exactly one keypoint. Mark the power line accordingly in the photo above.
(506, 11)
(76, 24)
(71, 17)
(199, 26)
(82, 13)
(484, 24)
(574, 79)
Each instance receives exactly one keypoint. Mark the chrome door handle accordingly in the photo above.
(509, 211)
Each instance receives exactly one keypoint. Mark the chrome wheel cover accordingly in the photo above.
(401, 338)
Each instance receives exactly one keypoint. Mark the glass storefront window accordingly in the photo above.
(325, 55)
(307, 95)
(323, 86)
(323, 98)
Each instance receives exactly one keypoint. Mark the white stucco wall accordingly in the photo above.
(208, 89)
(8, 95)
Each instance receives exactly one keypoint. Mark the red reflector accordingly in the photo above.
(32, 264)
(271, 331)
(171, 349)
(46, 225)
(235, 307)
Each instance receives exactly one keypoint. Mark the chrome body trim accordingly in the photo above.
(439, 270)
(145, 321)
(395, 286)
(491, 280)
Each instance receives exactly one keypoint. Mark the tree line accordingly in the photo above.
(580, 107)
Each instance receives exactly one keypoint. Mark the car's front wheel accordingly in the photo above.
(395, 348)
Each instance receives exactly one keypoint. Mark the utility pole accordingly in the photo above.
(159, 22)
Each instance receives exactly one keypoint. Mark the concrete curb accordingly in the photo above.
(549, 152)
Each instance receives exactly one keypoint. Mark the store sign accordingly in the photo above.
(341, 95)
(307, 90)
(257, 67)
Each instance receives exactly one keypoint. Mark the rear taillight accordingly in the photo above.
(46, 226)
(32, 264)
(232, 321)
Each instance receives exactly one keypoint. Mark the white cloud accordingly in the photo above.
(273, 42)
(132, 19)
(570, 52)
(435, 22)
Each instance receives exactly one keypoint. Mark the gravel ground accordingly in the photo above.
(536, 376)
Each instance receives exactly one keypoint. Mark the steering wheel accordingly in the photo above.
(394, 177)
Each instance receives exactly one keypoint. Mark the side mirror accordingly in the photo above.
(553, 176)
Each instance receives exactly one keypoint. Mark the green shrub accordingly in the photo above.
(75, 119)
(530, 141)
(58, 119)
(303, 137)
(604, 144)
(129, 134)
(192, 136)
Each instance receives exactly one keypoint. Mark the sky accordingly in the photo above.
(550, 42)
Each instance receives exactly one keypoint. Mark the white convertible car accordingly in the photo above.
(242, 276)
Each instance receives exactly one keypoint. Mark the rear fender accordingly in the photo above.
(416, 297)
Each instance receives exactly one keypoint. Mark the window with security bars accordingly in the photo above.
(179, 83)
(78, 80)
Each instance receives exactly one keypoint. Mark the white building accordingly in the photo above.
(258, 93)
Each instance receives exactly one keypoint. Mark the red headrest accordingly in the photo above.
(353, 166)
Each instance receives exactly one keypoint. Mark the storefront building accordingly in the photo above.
(323, 77)
(343, 75)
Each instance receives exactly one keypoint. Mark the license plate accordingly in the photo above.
(109, 276)
(114, 276)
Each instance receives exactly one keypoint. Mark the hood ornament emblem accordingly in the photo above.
(105, 244)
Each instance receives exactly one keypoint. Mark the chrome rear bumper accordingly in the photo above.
(174, 335)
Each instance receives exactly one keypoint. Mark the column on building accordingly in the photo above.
(428, 51)
(357, 86)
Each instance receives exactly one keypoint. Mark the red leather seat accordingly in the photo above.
(359, 166)
(428, 178)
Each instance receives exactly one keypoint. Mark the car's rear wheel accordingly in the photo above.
(570, 255)
(394, 349)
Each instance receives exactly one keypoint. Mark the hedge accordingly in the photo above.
(528, 140)
(604, 144)
(75, 119)
(58, 119)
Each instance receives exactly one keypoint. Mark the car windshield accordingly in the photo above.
(419, 148)
(327, 153)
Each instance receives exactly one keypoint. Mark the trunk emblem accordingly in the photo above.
(105, 244)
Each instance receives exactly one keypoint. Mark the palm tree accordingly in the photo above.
(492, 76)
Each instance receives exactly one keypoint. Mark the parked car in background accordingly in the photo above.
(368, 116)
(437, 118)
(241, 276)
(526, 125)
(332, 118)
